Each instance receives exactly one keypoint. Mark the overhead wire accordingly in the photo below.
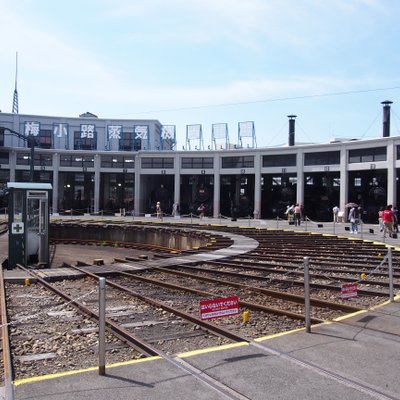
(278, 99)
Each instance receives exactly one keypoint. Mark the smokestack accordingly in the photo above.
(386, 117)
(292, 120)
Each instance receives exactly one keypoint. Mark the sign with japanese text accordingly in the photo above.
(32, 128)
(114, 132)
(349, 290)
(141, 132)
(87, 131)
(221, 307)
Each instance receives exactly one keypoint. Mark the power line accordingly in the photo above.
(307, 96)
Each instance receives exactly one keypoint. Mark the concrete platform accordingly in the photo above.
(354, 358)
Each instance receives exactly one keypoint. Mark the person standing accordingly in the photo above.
(158, 210)
(353, 219)
(201, 210)
(335, 211)
(380, 219)
(388, 220)
(297, 215)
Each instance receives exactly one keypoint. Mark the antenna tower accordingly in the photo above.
(15, 98)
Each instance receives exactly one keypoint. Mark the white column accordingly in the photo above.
(391, 173)
(217, 186)
(97, 168)
(344, 179)
(300, 178)
(257, 185)
(137, 191)
(177, 179)
(55, 168)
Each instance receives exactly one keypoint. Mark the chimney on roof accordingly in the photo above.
(292, 120)
(386, 117)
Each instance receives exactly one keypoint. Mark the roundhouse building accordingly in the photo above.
(104, 166)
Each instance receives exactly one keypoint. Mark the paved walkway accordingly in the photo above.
(357, 357)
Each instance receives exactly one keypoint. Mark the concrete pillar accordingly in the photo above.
(55, 183)
(300, 178)
(97, 167)
(344, 180)
(257, 185)
(391, 174)
(217, 187)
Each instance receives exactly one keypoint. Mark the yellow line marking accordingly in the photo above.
(350, 315)
(211, 349)
(80, 371)
(275, 335)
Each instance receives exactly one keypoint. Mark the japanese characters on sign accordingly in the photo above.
(141, 132)
(87, 131)
(114, 132)
(60, 130)
(32, 128)
(168, 132)
(221, 307)
(349, 290)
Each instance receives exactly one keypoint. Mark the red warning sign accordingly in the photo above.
(349, 290)
(217, 308)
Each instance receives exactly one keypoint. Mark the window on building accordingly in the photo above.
(322, 158)
(44, 139)
(157, 162)
(4, 157)
(279, 160)
(238, 162)
(367, 155)
(76, 161)
(117, 161)
(357, 182)
(276, 181)
(112, 161)
(2, 137)
(126, 143)
(23, 158)
(197, 162)
(43, 159)
(85, 143)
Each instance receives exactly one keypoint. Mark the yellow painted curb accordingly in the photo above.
(80, 371)
(211, 349)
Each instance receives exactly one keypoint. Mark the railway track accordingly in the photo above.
(155, 311)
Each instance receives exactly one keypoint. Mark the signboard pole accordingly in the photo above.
(307, 294)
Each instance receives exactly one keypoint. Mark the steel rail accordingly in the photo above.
(7, 364)
(234, 264)
(318, 261)
(117, 330)
(273, 293)
(251, 306)
(207, 325)
(269, 279)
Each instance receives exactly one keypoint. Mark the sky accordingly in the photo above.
(187, 62)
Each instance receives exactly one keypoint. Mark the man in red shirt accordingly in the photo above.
(388, 220)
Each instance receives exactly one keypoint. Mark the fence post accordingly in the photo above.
(390, 268)
(307, 294)
(102, 326)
